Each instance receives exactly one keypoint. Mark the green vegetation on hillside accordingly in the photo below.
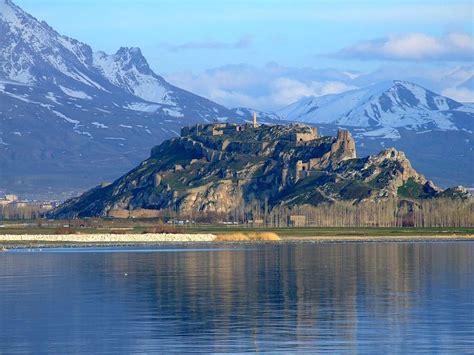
(413, 189)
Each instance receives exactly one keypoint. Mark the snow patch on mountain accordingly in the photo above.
(75, 93)
(100, 125)
(466, 108)
(142, 107)
(50, 96)
(384, 132)
(64, 117)
(173, 113)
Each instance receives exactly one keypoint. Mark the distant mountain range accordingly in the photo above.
(71, 117)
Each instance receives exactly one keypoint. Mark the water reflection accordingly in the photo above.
(306, 297)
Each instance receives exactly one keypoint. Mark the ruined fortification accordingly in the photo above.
(220, 140)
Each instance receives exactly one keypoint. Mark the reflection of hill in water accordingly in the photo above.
(274, 297)
(313, 291)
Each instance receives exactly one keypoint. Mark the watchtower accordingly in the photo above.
(255, 124)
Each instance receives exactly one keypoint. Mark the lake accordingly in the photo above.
(291, 297)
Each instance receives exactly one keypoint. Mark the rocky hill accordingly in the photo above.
(219, 167)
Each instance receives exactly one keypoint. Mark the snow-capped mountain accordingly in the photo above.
(67, 110)
(33, 53)
(388, 104)
(128, 70)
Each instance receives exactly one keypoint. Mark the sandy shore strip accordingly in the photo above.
(91, 240)
(108, 238)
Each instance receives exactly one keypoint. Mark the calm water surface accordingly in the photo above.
(335, 298)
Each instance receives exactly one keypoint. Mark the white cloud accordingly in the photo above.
(453, 46)
(267, 88)
(244, 42)
(286, 91)
(459, 94)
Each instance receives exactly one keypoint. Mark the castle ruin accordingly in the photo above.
(305, 139)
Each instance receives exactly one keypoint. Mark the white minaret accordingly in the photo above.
(255, 124)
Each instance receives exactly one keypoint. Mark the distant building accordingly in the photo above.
(8, 199)
(12, 198)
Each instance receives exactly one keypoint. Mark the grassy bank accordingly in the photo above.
(117, 226)
(311, 232)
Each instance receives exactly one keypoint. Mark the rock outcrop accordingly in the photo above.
(221, 167)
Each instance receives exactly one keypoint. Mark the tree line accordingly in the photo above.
(22, 212)
(392, 212)
(387, 213)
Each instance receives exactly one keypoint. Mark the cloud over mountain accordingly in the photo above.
(242, 43)
(453, 46)
(269, 87)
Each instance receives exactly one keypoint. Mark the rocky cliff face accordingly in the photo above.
(219, 167)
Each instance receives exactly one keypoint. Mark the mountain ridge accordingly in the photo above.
(388, 104)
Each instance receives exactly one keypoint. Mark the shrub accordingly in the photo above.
(264, 236)
(232, 237)
(161, 229)
(413, 189)
(119, 231)
(245, 237)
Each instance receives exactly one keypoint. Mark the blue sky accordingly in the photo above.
(290, 33)
(192, 37)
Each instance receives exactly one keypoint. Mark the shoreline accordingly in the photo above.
(130, 240)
